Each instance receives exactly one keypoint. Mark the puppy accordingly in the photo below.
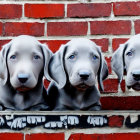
(73, 70)
(24, 62)
(126, 58)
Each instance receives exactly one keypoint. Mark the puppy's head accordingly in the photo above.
(79, 61)
(127, 57)
(23, 60)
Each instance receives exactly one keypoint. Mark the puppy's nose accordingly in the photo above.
(136, 74)
(84, 74)
(23, 77)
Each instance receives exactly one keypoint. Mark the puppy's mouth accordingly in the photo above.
(82, 87)
(135, 87)
(23, 89)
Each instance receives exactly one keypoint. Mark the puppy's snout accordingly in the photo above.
(136, 74)
(84, 74)
(23, 77)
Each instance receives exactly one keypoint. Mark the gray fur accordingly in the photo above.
(74, 73)
(24, 62)
(127, 57)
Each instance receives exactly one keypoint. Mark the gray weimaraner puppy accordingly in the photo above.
(127, 58)
(73, 70)
(23, 63)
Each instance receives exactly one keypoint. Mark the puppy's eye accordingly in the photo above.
(13, 57)
(72, 57)
(36, 57)
(129, 53)
(95, 57)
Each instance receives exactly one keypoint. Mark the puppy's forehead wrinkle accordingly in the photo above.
(82, 49)
(134, 47)
(81, 41)
(21, 49)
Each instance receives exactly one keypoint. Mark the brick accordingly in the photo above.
(75, 136)
(44, 10)
(104, 43)
(137, 26)
(45, 136)
(89, 10)
(11, 136)
(112, 136)
(54, 45)
(110, 27)
(67, 28)
(126, 8)
(108, 60)
(120, 103)
(123, 85)
(116, 121)
(3, 42)
(1, 28)
(110, 89)
(19, 28)
(117, 41)
(10, 11)
(46, 83)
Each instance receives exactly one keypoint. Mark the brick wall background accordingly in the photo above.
(55, 22)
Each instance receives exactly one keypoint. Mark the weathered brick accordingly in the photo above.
(117, 41)
(110, 89)
(1, 28)
(46, 83)
(67, 28)
(11, 136)
(104, 43)
(110, 27)
(3, 42)
(45, 136)
(89, 10)
(19, 28)
(120, 103)
(123, 85)
(54, 45)
(137, 26)
(108, 60)
(10, 11)
(116, 121)
(126, 8)
(112, 136)
(44, 10)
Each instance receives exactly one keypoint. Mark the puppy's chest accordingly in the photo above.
(75, 100)
(78, 101)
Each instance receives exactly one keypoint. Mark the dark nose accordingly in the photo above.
(84, 74)
(136, 74)
(23, 77)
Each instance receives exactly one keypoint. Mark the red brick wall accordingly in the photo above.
(108, 23)
(78, 136)
(56, 22)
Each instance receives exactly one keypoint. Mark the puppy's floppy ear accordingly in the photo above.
(103, 70)
(56, 67)
(47, 53)
(3, 64)
(117, 62)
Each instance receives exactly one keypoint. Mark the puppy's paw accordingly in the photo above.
(35, 120)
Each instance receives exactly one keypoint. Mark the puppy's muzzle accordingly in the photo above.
(84, 74)
(23, 77)
(136, 74)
